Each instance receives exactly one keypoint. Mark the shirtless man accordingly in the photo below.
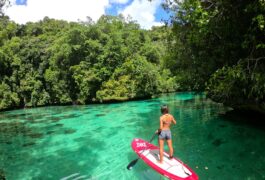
(165, 121)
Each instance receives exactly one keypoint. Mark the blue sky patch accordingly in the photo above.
(21, 2)
(115, 8)
(160, 15)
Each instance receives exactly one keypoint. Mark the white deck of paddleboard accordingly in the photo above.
(170, 165)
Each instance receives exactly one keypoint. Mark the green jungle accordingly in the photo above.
(211, 46)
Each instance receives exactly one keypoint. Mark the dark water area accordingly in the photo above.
(93, 141)
(249, 118)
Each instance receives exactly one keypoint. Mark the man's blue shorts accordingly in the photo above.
(165, 135)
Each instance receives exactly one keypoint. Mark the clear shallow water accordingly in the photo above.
(93, 141)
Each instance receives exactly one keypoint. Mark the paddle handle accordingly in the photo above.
(152, 138)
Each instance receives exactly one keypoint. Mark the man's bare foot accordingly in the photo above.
(160, 162)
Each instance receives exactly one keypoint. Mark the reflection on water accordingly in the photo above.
(93, 141)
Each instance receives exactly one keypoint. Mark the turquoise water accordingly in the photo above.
(93, 141)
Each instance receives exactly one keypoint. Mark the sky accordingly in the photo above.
(146, 13)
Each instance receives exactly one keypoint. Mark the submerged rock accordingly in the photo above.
(56, 119)
(218, 142)
(28, 144)
(210, 136)
(69, 131)
(2, 175)
(222, 125)
(36, 135)
(98, 115)
(220, 167)
(50, 132)
(8, 142)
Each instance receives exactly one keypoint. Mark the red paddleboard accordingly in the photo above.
(171, 168)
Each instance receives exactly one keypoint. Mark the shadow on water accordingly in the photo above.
(62, 162)
(249, 118)
(10, 139)
(65, 163)
(9, 131)
(34, 137)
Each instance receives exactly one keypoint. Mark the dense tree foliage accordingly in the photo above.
(220, 46)
(217, 46)
(55, 62)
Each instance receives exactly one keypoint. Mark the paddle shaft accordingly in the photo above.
(152, 137)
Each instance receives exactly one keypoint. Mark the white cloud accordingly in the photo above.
(143, 12)
(36, 10)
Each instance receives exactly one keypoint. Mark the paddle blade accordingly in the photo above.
(130, 166)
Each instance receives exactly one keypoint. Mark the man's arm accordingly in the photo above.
(174, 121)
(161, 123)
(160, 128)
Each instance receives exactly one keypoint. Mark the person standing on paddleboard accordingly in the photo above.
(164, 132)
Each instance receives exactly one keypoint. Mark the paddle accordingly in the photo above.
(131, 164)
